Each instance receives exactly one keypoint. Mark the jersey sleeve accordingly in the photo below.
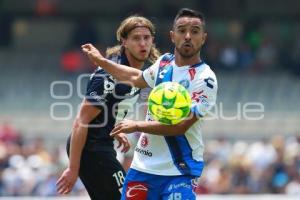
(150, 73)
(98, 89)
(204, 93)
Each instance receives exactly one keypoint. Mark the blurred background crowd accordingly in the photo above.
(269, 165)
(253, 46)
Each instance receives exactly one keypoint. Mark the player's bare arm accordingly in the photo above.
(79, 133)
(154, 127)
(122, 73)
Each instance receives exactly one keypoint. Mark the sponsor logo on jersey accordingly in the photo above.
(136, 191)
(203, 100)
(178, 185)
(94, 93)
(144, 141)
(196, 96)
(185, 83)
(98, 98)
(109, 86)
(144, 152)
(195, 184)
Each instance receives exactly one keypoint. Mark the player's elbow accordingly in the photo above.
(130, 80)
(134, 80)
(178, 130)
(79, 122)
(182, 127)
(138, 81)
(76, 123)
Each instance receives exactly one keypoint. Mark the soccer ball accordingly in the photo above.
(169, 103)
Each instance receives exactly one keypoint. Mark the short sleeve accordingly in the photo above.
(150, 73)
(204, 93)
(98, 88)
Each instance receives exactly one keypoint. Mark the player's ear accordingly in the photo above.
(204, 38)
(124, 42)
(172, 36)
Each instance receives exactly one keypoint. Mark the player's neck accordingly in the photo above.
(133, 62)
(182, 61)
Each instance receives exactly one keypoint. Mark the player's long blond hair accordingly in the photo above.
(124, 29)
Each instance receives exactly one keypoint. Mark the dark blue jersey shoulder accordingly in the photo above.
(105, 93)
(103, 89)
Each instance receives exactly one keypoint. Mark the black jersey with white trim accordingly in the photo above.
(105, 92)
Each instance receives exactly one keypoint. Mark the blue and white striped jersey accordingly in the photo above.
(177, 155)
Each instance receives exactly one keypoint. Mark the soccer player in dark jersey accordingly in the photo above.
(90, 148)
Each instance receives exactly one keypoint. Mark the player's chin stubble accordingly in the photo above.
(186, 53)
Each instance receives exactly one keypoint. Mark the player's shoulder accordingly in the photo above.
(167, 56)
(99, 74)
(99, 70)
(207, 75)
(164, 60)
(207, 71)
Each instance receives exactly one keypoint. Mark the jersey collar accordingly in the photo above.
(197, 64)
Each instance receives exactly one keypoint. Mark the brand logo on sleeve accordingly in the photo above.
(185, 83)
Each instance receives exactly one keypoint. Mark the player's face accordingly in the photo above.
(138, 43)
(188, 35)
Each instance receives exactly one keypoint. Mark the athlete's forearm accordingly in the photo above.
(78, 139)
(122, 73)
(156, 128)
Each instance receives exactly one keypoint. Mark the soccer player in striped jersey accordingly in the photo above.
(168, 158)
(90, 148)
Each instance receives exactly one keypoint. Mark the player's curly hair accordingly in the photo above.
(124, 29)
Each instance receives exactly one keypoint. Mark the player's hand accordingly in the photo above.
(66, 181)
(92, 52)
(123, 142)
(125, 126)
